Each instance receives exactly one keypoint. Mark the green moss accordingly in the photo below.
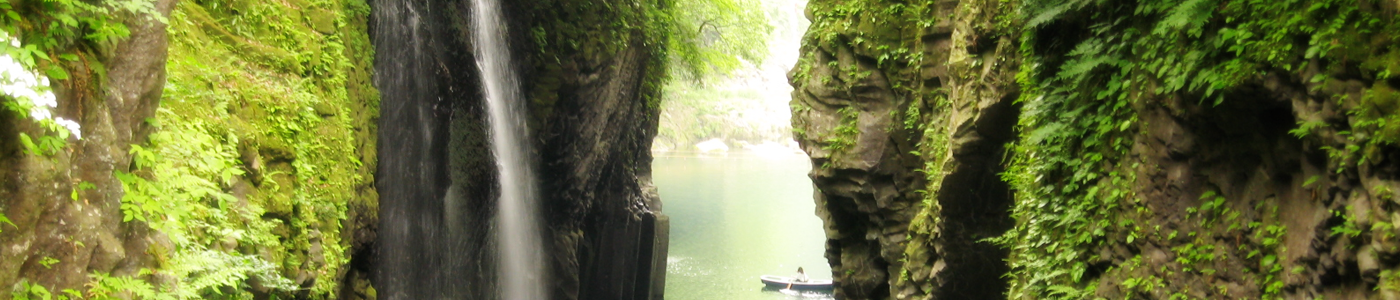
(271, 111)
(1082, 92)
(889, 33)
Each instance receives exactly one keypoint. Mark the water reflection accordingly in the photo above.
(791, 294)
(735, 217)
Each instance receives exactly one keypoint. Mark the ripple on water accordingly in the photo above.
(684, 266)
(791, 294)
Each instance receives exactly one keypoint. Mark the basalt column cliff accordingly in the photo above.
(590, 127)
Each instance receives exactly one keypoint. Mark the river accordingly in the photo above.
(734, 218)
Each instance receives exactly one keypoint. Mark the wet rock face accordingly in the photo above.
(85, 235)
(593, 122)
(906, 150)
(591, 127)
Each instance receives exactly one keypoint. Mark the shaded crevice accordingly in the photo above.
(854, 257)
(975, 206)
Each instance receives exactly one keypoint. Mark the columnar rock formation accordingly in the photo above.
(591, 127)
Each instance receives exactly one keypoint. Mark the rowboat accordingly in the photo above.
(781, 282)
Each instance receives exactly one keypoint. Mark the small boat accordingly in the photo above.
(781, 282)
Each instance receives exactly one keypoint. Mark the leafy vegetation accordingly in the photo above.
(845, 133)
(685, 43)
(1092, 62)
(255, 160)
(714, 37)
(739, 103)
(43, 40)
(279, 127)
(40, 39)
(45, 33)
(701, 37)
(891, 33)
(37, 39)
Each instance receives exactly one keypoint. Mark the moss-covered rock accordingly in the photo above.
(64, 207)
(905, 126)
(1161, 149)
(237, 166)
(284, 88)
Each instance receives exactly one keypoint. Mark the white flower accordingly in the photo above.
(72, 127)
(40, 113)
(29, 88)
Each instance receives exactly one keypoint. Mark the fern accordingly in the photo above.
(4, 220)
(104, 287)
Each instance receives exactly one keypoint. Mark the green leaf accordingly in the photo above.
(57, 73)
(29, 146)
(5, 220)
(1310, 181)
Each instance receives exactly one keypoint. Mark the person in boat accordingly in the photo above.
(800, 277)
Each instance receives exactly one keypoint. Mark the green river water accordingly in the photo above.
(734, 218)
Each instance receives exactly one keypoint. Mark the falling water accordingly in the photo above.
(520, 264)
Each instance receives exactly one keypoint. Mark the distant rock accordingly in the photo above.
(712, 145)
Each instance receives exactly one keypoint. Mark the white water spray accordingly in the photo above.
(521, 264)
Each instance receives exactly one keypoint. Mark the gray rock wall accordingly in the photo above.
(591, 126)
(905, 120)
(85, 235)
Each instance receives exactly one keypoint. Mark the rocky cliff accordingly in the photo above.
(231, 149)
(217, 159)
(1081, 149)
(592, 118)
(58, 233)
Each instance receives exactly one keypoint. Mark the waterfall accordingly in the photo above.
(520, 265)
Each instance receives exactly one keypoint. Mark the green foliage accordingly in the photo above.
(1271, 239)
(106, 287)
(1090, 62)
(28, 291)
(42, 35)
(845, 134)
(44, 29)
(698, 39)
(48, 262)
(282, 125)
(3, 221)
(1348, 228)
(102, 287)
(889, 33)
(187, 163)
(714, 37)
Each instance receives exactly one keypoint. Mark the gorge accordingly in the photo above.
(959, 149)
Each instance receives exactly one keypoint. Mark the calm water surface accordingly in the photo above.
(734, 218)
